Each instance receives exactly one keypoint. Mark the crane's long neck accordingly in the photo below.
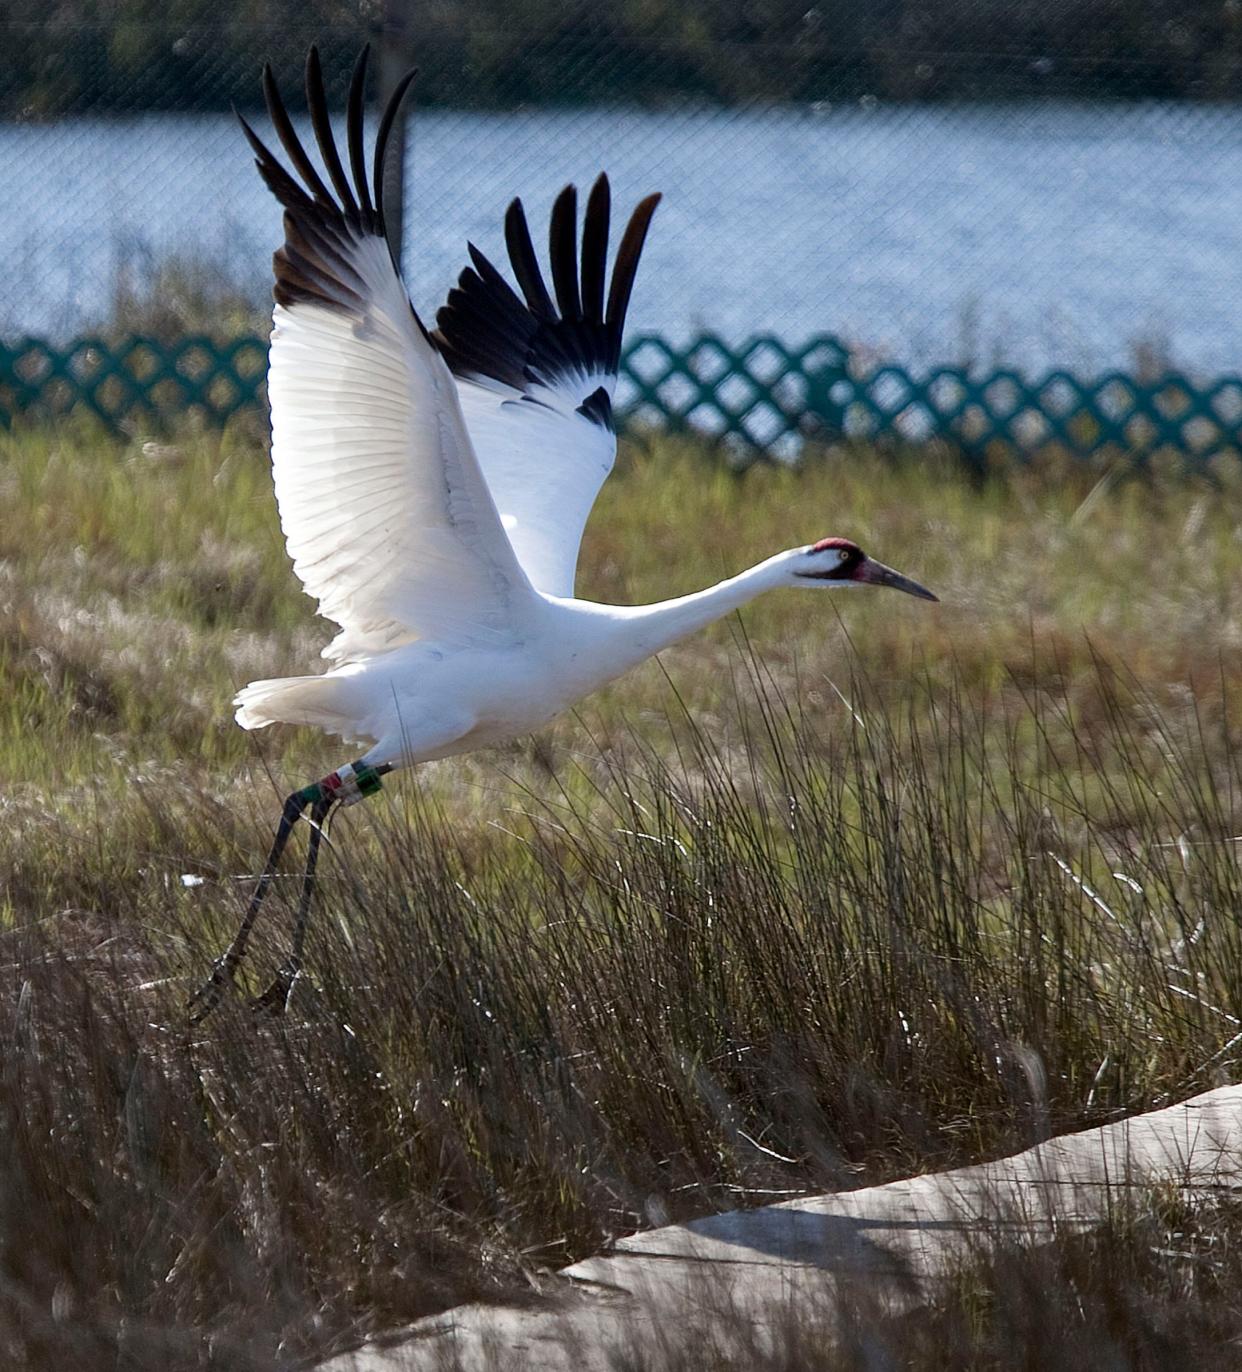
(642, 630)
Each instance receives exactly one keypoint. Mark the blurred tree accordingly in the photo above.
(110, 55)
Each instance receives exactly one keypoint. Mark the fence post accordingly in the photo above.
(393, 64)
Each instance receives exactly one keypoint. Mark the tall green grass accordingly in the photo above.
(843, 890)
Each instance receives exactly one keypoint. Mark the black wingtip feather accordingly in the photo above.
(563, 252)
(625, 268)
(292, 144)
(256, 144)
(381, 140)
(501, 296)
(276, 178)
(317, 103)
(525, 263)
(595, 250)
(319, 262)
(486, 331)
(597, 407)
(353, 133)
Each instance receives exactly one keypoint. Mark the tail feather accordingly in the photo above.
(317, 700)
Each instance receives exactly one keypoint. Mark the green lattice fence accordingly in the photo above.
(772, 396)
(763, 396)
(131, 380)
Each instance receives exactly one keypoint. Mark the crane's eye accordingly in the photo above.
(843, 555)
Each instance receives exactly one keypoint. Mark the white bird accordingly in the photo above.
(433, 486)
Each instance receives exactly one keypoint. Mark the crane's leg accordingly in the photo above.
(276, 997)
(347, 786)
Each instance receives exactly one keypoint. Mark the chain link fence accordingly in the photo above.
(957, 185)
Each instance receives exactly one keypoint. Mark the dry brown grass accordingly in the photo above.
(828, 896)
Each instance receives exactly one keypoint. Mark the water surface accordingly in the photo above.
(1035, 234)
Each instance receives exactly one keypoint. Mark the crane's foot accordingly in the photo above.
(210, 993)
(346, 786)
(275, 1000)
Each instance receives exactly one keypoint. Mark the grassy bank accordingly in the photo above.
(848, 887)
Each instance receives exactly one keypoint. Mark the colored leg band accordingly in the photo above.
(350, 784)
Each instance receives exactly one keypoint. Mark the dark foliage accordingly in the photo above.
(191, 55)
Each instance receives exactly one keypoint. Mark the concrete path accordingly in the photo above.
(764, 1264)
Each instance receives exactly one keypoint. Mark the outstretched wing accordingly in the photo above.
(536, 379)
(385, 510)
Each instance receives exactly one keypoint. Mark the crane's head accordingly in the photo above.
(838, 562)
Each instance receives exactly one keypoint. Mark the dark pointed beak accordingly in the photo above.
(877, 574)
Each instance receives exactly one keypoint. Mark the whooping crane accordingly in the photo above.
(433, 485)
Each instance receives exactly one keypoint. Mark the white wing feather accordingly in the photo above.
(544, 464)
(387, 515)
(536, 377)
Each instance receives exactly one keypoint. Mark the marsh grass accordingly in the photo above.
(787, 911)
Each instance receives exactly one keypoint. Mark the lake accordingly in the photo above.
(1041, 234)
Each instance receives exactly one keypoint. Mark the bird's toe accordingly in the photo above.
(275, 1000)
